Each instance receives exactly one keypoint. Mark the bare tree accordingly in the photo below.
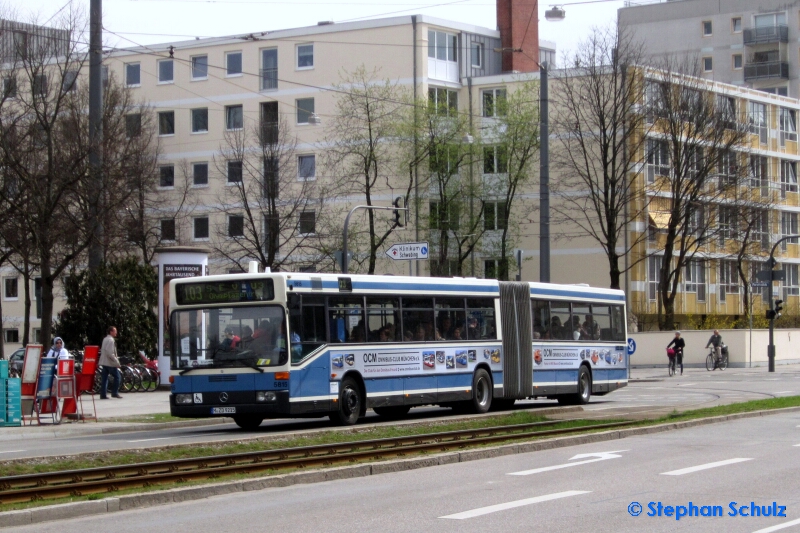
(269, 202)
(601, 140)
(690, 135)
(362, 154)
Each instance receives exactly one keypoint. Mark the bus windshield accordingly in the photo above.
(229, 337)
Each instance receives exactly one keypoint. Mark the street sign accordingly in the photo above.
(774, 275)
(758, 284)
(631, 346)
(408, 251)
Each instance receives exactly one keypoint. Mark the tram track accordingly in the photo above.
(45, 486)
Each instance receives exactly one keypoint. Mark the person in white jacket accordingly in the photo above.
(57, 349)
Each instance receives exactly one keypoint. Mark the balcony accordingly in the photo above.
(768, 34)
(766, 70)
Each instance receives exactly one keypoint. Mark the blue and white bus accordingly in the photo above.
(268, 345)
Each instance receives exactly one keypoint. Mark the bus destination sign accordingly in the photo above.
(216, 292)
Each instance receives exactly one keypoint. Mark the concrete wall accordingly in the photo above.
(744, 350)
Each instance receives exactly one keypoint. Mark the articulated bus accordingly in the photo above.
(274, 345)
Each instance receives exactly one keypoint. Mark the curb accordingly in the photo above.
(140, 501)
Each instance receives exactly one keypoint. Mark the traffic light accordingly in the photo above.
(399, 212)
(775, 313)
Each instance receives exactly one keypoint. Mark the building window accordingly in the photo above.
(272, 231)
(168, 229)
(787, 121)
(70, 81)
(306, 167)
(476, 51)
(706, 28)
(11, 336)
(653, 276)
(201, 228)
(133, 125)
(761, 227)
(235, 226)
(305, 56)
(200, 174)
(759, 173)
(727, 220)
(736, 24)
(233, 64)
(788, 227)
(133, 75)
(40, 85)
(442, 46)
(757, 120)
(37, 334)
(10, 288)
(305, 108)
(308, 223)
(200, 120)
(443, 101)
(200, 67)
(728, 279)
(10, 87)
(657, 160)
(788, 177)
(708, 64)
(166, 123)
(166, 73)
(490, 268)
(234, 172)
(495, 159)
(234, 117)
(737, 61)
(494, 215)
(269, 69)
(167, 176)
(494, 103)
(269, 123)
(791, 286)
(443, 218)
(696, 279)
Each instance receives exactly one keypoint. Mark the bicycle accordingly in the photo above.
(711, 360)
(671, 363)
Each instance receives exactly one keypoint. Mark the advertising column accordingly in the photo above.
(174, 262)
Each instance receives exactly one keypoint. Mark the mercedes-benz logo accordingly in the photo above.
(223, 397)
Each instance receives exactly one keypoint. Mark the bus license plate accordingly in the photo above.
(223, 410)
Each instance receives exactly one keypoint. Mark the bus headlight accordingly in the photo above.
(183, 399)
(266, 396)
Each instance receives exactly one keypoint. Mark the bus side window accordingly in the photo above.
(480, 319)
(346, 318)
(540, 311)
(617, 323)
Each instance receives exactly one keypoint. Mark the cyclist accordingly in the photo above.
(716, 342)
(679, 344)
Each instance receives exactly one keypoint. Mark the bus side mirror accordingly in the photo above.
(295, 303)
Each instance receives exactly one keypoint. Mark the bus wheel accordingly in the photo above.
(393, 411)
(349, 403)
(248, 422)
(481, 391)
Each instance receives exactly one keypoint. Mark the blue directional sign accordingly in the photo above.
(631, 346)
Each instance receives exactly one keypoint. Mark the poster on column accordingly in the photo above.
(175, 272)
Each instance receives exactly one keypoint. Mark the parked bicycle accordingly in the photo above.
(671, 362)
(139, 374)
(711, 360)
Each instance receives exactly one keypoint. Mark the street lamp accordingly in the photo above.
(555, 14)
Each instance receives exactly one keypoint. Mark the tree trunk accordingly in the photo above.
(26, 280)
(47, 303)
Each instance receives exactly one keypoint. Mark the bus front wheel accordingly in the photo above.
(350, 401)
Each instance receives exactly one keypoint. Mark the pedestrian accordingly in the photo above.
(679, 344)
(110, 363)
(57, 349)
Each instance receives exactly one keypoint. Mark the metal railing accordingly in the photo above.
(771, 69)
(769, 34)
(269, 78)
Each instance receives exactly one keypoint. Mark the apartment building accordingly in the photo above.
(741, 42)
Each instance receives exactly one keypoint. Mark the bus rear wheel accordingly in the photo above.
(248, 422)
(392, 411)
(584, 393)
(350, 401)
(481, 392)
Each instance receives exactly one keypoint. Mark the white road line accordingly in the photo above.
(686, 384)
(782, 392)
(706, 466)
(796, 445)
(511, 505)
(148, 440)
(778, 527)
(13, 451)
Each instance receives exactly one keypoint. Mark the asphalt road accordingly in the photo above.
(651, 394)
(752, 462)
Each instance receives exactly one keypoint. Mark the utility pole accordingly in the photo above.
(544, 177)
(775, 308)
(96, 130)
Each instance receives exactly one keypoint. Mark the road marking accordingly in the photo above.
(601, 456)
(148, 440)
(626, 406)
(511, 505)
(706, 466)
(13, 451)
(783, 392)
(779, 526)
(686, 384)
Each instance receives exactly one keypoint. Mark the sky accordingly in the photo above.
(134, 22)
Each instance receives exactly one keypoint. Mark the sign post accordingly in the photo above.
(408, 251)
